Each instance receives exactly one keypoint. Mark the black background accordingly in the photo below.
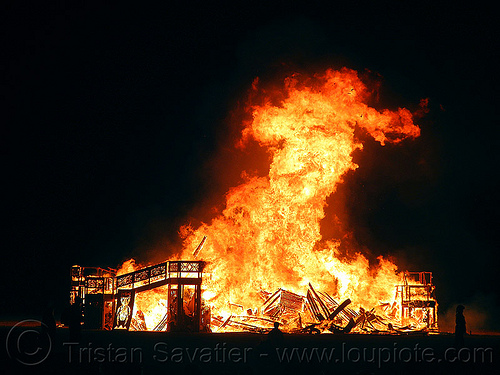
(116, 117)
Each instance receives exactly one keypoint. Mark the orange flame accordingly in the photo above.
(268, 235)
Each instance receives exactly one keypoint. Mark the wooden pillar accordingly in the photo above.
(197, 309)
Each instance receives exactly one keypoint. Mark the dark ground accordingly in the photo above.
(121, 352)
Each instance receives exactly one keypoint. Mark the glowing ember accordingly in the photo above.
(268, 236)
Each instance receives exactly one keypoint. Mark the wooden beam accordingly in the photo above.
(314, 308)
(349, 326)
(341, 307)
(199, 247)
(320, 302)
(270, 300)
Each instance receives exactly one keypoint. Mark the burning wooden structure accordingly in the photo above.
(416, 297)
(109, 299)
(96, 287)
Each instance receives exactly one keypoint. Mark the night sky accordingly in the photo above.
(117, 129)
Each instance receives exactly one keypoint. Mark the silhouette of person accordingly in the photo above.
(460, 327)
(275, 336)
(75, 320)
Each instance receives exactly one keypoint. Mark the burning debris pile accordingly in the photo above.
(318, 312)
(266, 259)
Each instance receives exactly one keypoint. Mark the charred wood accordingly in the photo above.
(341, 307)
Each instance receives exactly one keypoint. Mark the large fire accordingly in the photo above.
(268, 236)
